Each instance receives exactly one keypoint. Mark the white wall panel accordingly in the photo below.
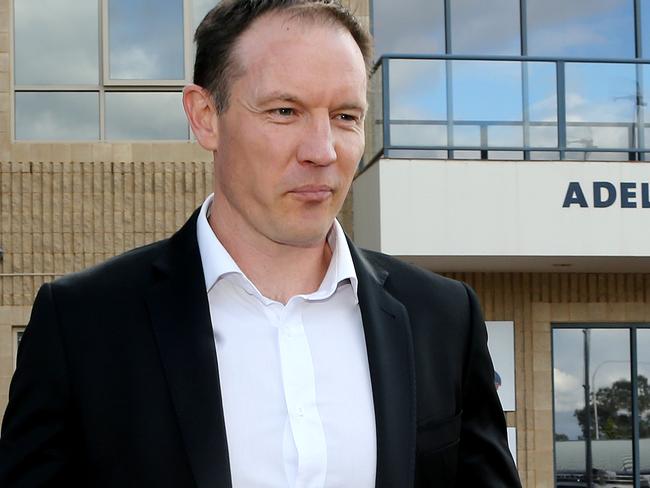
(492, 208)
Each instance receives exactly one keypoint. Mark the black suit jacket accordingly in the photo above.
(117, 379)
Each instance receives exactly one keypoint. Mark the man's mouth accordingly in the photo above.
(312, 193)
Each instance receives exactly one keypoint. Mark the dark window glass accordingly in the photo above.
(582, 28)
(480, 27)
(408, 26)
(146, 39)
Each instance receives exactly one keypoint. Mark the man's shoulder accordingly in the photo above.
(132, 269)
(406, 278)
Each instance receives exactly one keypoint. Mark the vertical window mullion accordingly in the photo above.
(187, 39)
(104, 42)
(448, 45)
(102, 67)
(523, 28)
(638, 30)
(102, 114)
(635, 408)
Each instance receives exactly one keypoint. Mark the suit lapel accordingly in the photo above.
(392, 372)
(181, 322)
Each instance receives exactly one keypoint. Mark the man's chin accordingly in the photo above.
(304, 237)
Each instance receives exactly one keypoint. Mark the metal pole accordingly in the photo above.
(593, 395)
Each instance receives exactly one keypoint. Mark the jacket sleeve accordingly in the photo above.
(34, 444)
(484, 458)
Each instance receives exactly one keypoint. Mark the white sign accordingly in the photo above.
(504, 208)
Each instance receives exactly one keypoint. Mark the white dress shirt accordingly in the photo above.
(294, 378)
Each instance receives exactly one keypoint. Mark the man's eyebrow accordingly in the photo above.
(288, 97)
(352, 106)
(283, 96)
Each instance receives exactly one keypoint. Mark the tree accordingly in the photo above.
(614, 406)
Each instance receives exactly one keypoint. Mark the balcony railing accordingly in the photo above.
(508, 107)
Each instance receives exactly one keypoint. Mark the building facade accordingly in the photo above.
(506, 146)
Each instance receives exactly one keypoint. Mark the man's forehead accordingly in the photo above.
(273, 33)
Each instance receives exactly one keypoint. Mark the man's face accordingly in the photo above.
(292, 135)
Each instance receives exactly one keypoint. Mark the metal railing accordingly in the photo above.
(567, 134)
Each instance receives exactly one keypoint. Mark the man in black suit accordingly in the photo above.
(258, 346)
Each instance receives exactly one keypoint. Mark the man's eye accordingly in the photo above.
(348, 117)
(284, 111)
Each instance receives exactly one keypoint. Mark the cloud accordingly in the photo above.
(134, 62)
(556, 27)
(153, 52)
(485, 27)
(56, 41)
(139, 115)
(568, 391)
(57, 116)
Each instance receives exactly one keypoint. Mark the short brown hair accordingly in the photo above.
(216, 36)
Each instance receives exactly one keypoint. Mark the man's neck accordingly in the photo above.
(279, 271)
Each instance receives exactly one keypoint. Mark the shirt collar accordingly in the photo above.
(217, 262)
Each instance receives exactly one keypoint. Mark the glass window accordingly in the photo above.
(19, 335)
(56, 42)
(486, 96)
(200, 8)
(53, 116)
(541, 87)
(644, 84)
(409, 26)
(60, 91)
(137, 53)
(594, 430)
(643, 375)
(601, 104)
(418, 103)
(146, 116)
(582, 28)
(486, 28)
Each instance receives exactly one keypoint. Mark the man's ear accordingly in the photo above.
(202, 115)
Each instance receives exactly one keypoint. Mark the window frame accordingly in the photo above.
(632, 328)
(106, 84)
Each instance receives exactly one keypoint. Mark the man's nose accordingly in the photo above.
(317, 144)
